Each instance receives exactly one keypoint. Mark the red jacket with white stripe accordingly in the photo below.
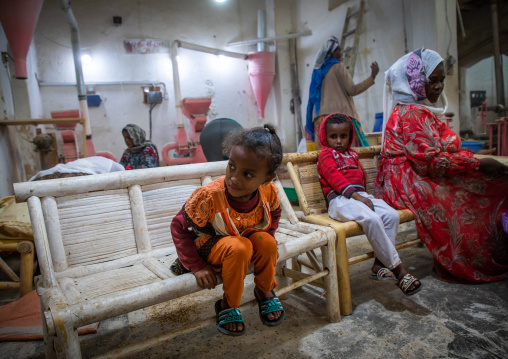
(340, 174)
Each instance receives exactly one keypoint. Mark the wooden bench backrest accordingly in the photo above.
(96, 219)
(162, 201)
(95, 227)
(98, 226)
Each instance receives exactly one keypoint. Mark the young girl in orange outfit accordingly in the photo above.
(231, 222)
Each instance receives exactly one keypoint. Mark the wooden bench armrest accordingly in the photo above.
(298, 188)
(41, 243)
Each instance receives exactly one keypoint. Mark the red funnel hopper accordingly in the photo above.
(261, 73)
(18, 19)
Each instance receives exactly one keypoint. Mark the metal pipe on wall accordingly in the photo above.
(270, 39)
(176, 76)
(498, 61)
(76, 53)
(176, 83)
(261, 29)
(106, 83)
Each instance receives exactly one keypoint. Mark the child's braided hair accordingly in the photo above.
(262, 140)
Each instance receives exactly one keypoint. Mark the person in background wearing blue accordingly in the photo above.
(332, 90)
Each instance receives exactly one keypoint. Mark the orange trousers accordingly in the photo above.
(234, 254)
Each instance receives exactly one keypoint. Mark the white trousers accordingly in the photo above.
(380, 226)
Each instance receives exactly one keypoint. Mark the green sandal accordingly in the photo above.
(229, 315)
(269, 305)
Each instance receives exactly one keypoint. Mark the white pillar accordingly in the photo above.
(278, 22)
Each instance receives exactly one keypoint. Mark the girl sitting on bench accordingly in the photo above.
(231, 222)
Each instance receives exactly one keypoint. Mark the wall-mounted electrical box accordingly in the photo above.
(152, 94)
(154, 97)
(477, 97)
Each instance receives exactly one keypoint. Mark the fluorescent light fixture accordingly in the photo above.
(220, 0)
(86, 59)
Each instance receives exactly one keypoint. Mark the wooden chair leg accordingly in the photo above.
(26, 249)
(67, 340)
(49, 340)
(346, 305)
(295, 265)
(281, 279)
(331, 283)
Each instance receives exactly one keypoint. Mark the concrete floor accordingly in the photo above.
(443, 320)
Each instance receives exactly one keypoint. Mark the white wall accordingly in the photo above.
(7, 174)
(205, 23)
(381, 40)
(17, 159)
(481, 77)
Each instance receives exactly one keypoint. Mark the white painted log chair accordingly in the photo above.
(314, 209)
(104, 247)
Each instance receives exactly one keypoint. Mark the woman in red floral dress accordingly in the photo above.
(456, 198)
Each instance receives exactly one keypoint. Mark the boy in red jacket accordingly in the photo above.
(343, 182)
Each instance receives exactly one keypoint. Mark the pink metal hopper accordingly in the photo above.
(195, 109)
(261, 73)
(18, 19)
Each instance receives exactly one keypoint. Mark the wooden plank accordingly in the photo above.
(41, 121)
(52, 221)
(7, 270)
(113, 281)
(122, 179)
(139, 220)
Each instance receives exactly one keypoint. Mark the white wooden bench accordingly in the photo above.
(304, 175)
(104, 246)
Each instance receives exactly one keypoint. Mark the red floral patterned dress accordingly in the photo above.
(457, 208)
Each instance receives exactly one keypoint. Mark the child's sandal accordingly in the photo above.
(229, 315)
(405, 283)
(383, 274)
(269, 305)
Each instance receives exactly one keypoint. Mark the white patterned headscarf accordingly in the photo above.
(325, 52)
(405, 83)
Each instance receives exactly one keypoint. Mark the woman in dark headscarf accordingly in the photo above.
(332, 90)
(140, 153)
(457, 199)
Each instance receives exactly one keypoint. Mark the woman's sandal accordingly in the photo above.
(405, 283)
(383, 274)
(229, 315)
(269, 305)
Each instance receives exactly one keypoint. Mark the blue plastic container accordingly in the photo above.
(93, 100)
(472, 145)
(378, 125)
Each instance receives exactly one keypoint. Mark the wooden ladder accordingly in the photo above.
(350, 52)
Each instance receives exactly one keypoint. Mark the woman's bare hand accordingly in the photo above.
(491, 167)
(374, 67)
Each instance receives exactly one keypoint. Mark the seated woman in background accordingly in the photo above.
(140, 152)
(457, 199)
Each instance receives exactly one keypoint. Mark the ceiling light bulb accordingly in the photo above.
(86, 59)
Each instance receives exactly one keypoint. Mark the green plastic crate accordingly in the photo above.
(291, 194)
